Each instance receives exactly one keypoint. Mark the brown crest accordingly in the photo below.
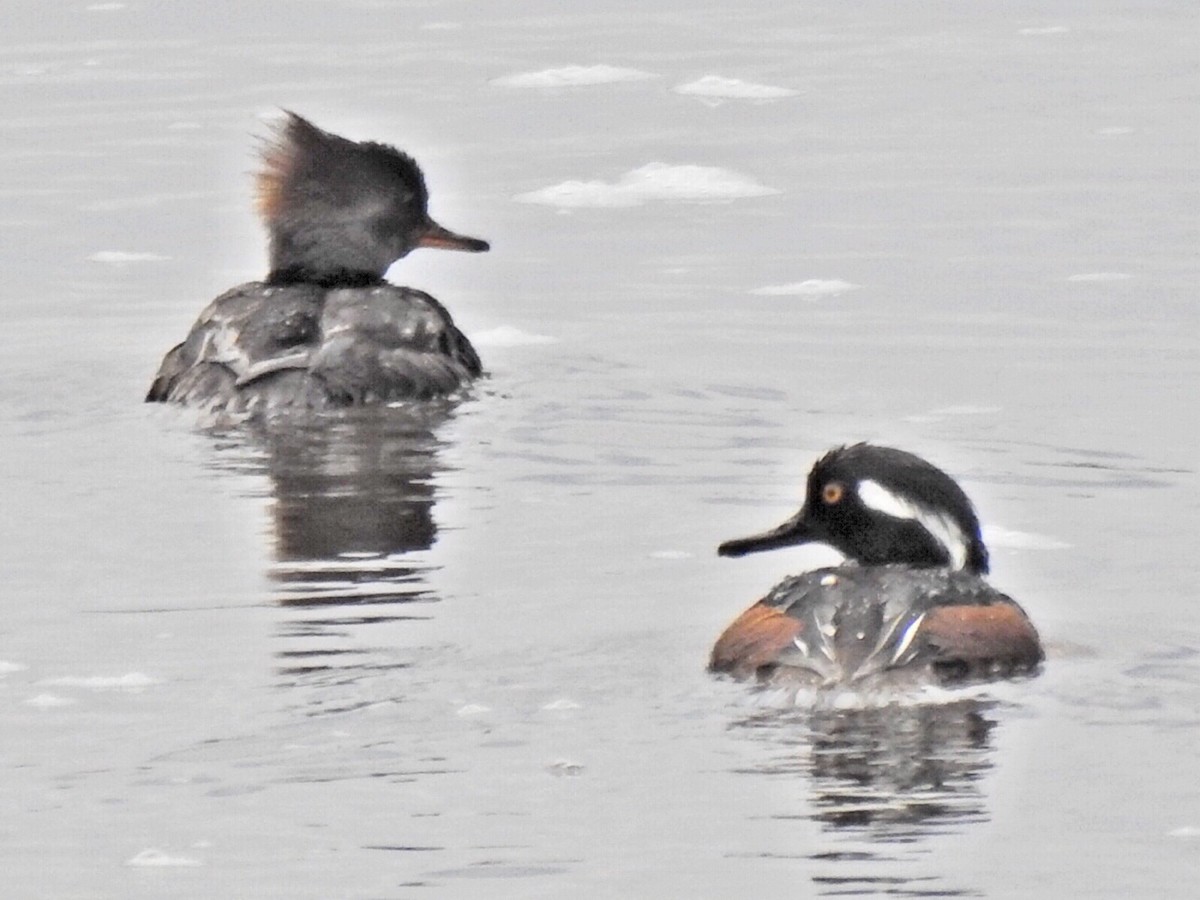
(278, 155)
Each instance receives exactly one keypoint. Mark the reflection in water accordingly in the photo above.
(899, 770)
(885, 779)
(353, 497)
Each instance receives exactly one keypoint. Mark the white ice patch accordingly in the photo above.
(670, 554)
(573, 76)
(1048, 29)
(7, 667)
(962, 409)
(153, 857)
(812, 287)
(508, 336)
(123, 257)
(582, 195)
(653, 181)
(965, 409)
(718, 88)
(133, 681)
(996, 536)
(1100, 277)
(48, 701)
(943, 529)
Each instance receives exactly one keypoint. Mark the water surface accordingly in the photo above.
(459, 652)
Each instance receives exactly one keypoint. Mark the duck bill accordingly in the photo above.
(794, 531)
(440, 238)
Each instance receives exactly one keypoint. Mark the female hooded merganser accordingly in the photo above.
(325, 329)
(912, 595)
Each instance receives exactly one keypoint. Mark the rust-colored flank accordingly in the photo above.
(755, 639)
(998, 631)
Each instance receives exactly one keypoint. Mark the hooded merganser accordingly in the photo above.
(911, 596)
(325, 329)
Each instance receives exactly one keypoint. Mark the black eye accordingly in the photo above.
(833, 492)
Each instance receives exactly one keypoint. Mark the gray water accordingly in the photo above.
(461, 653)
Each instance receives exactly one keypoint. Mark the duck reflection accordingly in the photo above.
(353, 497)
(900, 769)
(356, 488)
(885, 780)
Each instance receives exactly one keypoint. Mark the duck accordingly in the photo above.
(325, 329)
(910, 602)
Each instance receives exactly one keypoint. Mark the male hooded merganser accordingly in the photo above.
(911, 596)
(325, 329)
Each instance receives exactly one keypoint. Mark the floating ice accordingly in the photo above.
(670, 554)
(122, 257)
(965, 409)
(581, 194)
(473, 709)
(716, 87)
(508, 336)
(48, 701)
(962, 409)
(565, 767)
(573, 76)
(1100, 276)
(7, 667)
(1049, 29)
(813, 287)
(155, 857)
(996, 536)
(132, 681)
(563, 703)
(653, 181)
(1184, 831)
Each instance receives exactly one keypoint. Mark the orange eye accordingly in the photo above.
(833, 492)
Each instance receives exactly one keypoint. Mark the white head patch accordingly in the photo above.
(942, 528)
